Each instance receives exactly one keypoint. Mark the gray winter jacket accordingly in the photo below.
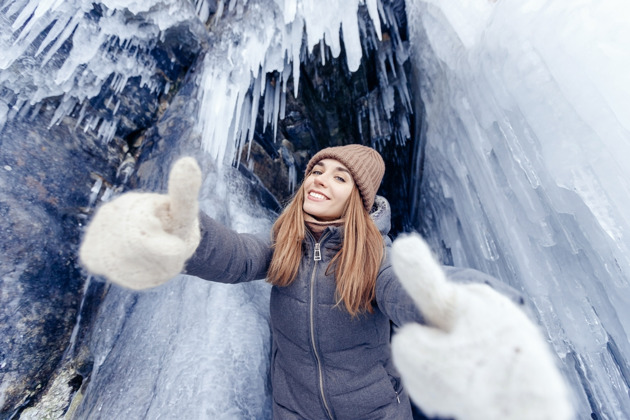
(325, 364)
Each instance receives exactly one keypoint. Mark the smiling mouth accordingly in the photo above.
(317, 195)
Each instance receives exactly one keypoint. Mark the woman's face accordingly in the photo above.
(327, 189)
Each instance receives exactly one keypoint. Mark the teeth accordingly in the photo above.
(316, 195)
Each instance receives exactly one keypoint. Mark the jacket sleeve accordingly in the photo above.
(393, 300)
(226, 256)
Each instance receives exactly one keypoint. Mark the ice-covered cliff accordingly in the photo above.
(517, 112)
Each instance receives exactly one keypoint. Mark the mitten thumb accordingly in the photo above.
(425, 281)
(184, 183)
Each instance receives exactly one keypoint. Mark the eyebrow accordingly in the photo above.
(338, 168)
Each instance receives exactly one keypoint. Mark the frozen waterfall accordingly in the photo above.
(523, 111)
(523, 168)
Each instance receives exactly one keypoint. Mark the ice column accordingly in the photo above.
(525, 175)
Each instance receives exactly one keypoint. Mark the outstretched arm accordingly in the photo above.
(227, 256)
(478, 356)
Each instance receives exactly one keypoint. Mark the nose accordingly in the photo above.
(321, 180)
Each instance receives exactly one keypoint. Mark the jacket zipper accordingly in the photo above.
(317, 256)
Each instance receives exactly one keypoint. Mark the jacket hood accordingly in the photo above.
(381, 214)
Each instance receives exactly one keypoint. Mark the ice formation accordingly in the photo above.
(261, 46)
(189, 348)
(523, 166)
(73, 49)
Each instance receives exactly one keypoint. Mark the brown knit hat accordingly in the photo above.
(364, 163)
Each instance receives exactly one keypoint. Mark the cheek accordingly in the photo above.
(345, 196)
(348, 192)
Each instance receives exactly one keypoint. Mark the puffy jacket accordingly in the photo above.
(325, 364)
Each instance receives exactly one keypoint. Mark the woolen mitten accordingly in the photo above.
(479, 356)
(141, 240)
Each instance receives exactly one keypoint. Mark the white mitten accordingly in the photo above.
(141, 240)
(479, 356)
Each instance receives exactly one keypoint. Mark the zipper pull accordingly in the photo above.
(318, 253)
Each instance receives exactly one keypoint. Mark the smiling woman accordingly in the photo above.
(334, 293)
(338, 192)
(333, 296)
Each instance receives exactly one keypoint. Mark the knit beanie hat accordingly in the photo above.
(364, 163)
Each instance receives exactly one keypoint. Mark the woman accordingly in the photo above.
(333, 295)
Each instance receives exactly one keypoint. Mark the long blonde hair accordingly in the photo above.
(356, 264)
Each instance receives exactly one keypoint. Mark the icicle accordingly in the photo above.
(107, 130)
(276, 106)
(372, 6)
(251, 128)
(292, 178)
(352, 41)
(96, 188)
(297, 30)
(54, 32)
(268, 104)
(25, 14)
(283, 99)
(81, 115)
(65, 107)
(322, 51)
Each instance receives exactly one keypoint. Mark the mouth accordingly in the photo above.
(317, 196)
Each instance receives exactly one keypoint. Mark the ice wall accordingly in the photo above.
(523, 173)
(527, 135)
(189, 349)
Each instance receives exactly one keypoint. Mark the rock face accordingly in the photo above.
(51, 177)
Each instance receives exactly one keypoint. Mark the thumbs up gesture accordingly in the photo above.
(141, 240)
(479, 356)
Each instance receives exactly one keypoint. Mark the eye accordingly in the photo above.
(316, 172)
(340, 178)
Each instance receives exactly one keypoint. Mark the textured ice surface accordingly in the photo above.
(525, 172)
(74, 49)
